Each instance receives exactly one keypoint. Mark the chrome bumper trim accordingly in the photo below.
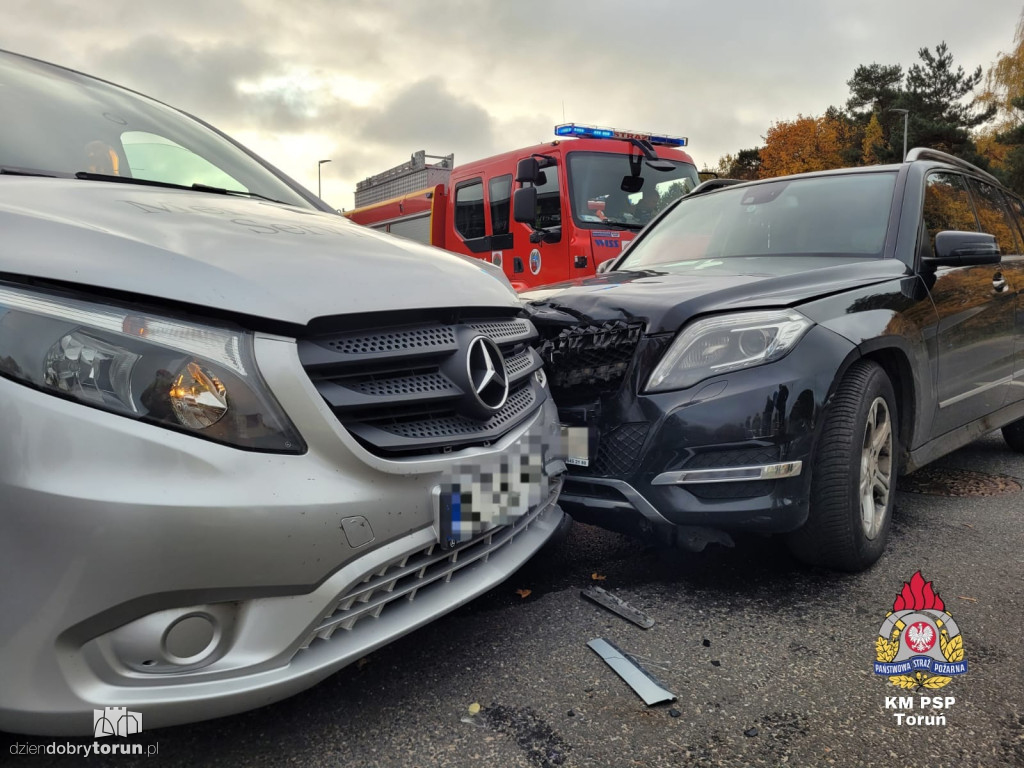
(730, 474)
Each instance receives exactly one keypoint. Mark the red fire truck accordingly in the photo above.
(546, 213)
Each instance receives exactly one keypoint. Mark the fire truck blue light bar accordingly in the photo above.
(593, 132)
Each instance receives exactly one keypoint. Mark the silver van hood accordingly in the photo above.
(232, 253)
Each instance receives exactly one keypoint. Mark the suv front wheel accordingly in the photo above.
(853, 480)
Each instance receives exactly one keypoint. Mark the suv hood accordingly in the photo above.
(235, 254)
(664, 301)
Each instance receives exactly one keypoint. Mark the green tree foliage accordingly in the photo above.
(744, 165)
(936, 95)
(876, 89)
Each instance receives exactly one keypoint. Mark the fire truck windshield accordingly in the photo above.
(615, 190)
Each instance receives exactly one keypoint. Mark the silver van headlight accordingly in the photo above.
(193, 378)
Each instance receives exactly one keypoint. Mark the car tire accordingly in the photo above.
(1013, 434)
(853, 475)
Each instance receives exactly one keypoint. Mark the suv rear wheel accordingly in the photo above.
(853, 481)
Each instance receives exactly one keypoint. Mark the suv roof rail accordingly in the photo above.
(924, 153)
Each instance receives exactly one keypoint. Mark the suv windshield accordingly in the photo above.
(620, 189)
(58, 122)
(841, 215)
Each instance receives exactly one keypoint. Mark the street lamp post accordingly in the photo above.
(906, 117)
(318, 166)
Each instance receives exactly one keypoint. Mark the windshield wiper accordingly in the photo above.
(621, 224)
(239, 192)
(9, 170)
(89, 176)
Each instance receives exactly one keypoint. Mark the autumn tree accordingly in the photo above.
(804, 144)
(1002, 142)
(873, 144)
(1004, 83)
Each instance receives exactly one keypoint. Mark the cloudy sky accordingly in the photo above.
(367, 82)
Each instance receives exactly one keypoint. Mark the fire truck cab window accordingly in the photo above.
(499, 190)
(469, 209)
(549, 201)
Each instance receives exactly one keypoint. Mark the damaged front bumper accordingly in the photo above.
(688, 467)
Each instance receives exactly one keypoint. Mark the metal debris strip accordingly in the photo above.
(617, 605)
(641, 681)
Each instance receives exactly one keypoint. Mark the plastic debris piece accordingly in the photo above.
(706, 643)
(751, 732)
(641, 681)
(524, 593)
(716, 663)
(617, 605)
(674, 712)
(474, 708)
(595, 576)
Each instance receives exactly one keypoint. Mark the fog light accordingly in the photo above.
(189, 637)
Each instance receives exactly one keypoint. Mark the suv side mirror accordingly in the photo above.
(962, 249)
(524, 204)
(606, 265)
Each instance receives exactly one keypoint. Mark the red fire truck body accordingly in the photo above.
(546, 213)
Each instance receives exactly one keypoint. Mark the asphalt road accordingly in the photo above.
(771, 662)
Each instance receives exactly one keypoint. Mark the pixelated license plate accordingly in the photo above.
(576, 445)
(490, 491)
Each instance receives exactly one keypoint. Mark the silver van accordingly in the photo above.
(243, 441)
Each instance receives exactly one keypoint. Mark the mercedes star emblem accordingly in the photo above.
(487, 375)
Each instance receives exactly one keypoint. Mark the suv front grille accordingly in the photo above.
(587, 360)
(400, 392)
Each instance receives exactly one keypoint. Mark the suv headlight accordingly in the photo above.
(715, 345)
(193, 378)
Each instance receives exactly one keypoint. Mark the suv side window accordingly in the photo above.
(947, 205)
(993, 216)
(469, 209)
(1016, 209)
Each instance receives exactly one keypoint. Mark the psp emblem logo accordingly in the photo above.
(919, 645)
(535, 261)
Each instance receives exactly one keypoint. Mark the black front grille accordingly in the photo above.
(588, 360)
(727, 491)
(399, 392)
(750, 456)
(618, 451)
(444, 426)
(416, 338)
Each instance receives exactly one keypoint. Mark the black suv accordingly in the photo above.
(769, 356)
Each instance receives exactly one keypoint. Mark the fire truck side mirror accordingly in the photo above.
(524, 205)
(527, 170)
